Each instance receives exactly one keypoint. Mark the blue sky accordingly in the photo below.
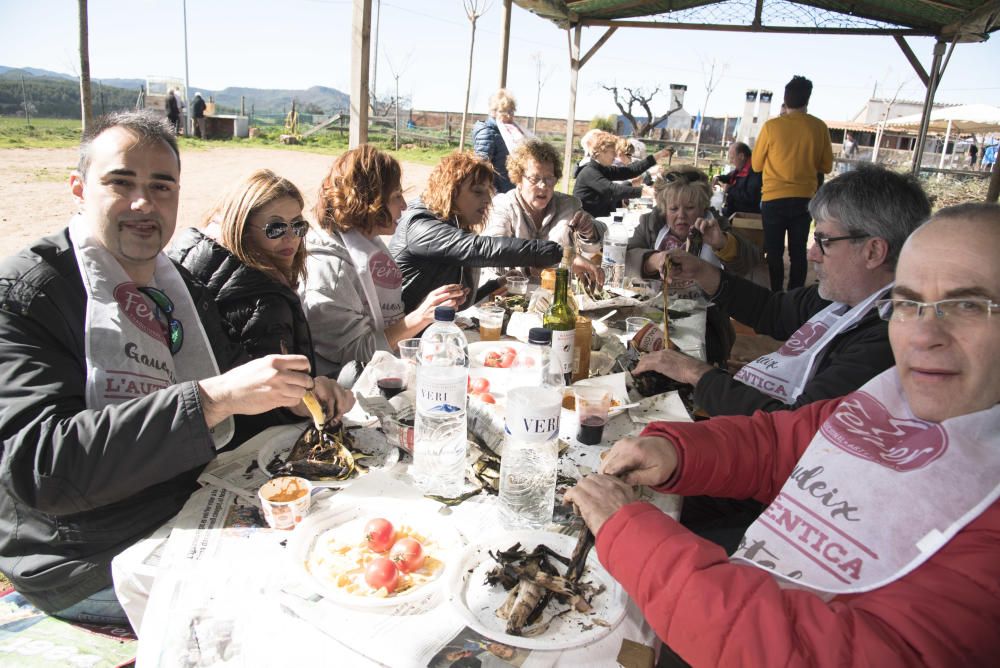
(300, 43)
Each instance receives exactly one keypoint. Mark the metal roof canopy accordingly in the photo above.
(948, 21)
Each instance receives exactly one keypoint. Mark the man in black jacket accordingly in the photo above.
(742, 184)
(834, 338)
(116, 382)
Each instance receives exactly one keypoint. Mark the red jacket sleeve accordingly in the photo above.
(716, 613)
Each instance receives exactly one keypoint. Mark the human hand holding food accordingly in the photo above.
(260, 385)
(711, 232)
(335, 400)
(642, 460)
(598, 497)
(685, 266)
(587, 270)
(583, 224)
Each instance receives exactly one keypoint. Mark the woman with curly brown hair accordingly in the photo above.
(438, 243)
(352, 295)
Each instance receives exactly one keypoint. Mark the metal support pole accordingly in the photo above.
(189, 121)
(918, 150)
(574, 74)
(360, 52)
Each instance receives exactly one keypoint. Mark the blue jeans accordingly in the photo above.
(790, 215)
(99, 608)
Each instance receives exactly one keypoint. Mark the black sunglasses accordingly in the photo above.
(278, 230)
(690, 177)
(175, 330)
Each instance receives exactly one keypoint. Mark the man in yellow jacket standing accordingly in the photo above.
(793, 152)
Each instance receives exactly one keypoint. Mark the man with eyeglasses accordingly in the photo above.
(878, 545)
(117, 382)
(535, 210)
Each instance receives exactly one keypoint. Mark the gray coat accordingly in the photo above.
(343, 327)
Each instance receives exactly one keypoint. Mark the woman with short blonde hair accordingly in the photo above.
(596, 183)
(496, 137)
(437, 243)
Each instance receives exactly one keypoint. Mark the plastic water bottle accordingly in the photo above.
(546, 374)
(530, 458)
(440, 429)
(613, 257)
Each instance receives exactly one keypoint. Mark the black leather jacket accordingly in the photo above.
(259, 312)
(78, 486)
(432, 252)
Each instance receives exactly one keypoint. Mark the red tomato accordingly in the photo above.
(492, 359)
(507, 359)
(407, 554)
(478, 385)
(379, 534)
(508, 349)
(382, 572)
(487, 398)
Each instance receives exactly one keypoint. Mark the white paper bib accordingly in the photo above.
(782, 375)
(876, 493)
(126, 352)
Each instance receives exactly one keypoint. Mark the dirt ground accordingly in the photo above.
(35, 198)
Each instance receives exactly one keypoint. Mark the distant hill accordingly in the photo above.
(57, 95)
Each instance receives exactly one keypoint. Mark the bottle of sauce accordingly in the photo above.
(560, 319)
(583, 333)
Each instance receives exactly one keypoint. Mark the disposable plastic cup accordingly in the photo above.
(285, 501)
(634, 324)
(409, 349)
(517, 286)
(490, 323)
(592, 406)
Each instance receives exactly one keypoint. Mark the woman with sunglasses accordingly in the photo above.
(251, 256)
(438, 241)
(596, 183)
(353, 293)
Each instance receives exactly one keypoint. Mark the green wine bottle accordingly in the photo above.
(561, 319)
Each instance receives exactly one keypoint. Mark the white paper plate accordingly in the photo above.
(347, 524)
(368, 440)
(477, 601)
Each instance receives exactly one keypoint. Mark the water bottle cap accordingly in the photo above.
(444, 314)
(540, 336)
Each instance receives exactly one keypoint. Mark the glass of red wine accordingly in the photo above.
(592, 406)
(392, 378)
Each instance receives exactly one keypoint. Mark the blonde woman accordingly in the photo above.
(595, 182)
(497, 137)
(438, 243)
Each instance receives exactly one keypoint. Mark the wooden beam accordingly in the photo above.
(504, 42)
(789, 30)
(574, 73)
(912, 57)
(361, 29)
(598, 44)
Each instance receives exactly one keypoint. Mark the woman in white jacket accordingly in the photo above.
(352, 292)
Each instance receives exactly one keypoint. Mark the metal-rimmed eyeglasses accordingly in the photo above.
(174, 333)
(963, 309)
(822, 241)
(276, 230)
(547, 181)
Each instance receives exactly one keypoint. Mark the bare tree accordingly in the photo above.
(710, 83)
(541, 76)
(627, 100)
(882, 121)
(473, 10)
(86, 113)
(395, 75)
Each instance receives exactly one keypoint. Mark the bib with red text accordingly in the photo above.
(876, 493)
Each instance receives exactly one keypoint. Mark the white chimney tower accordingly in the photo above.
(747, 121)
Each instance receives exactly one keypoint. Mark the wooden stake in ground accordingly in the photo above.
(666, 301)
